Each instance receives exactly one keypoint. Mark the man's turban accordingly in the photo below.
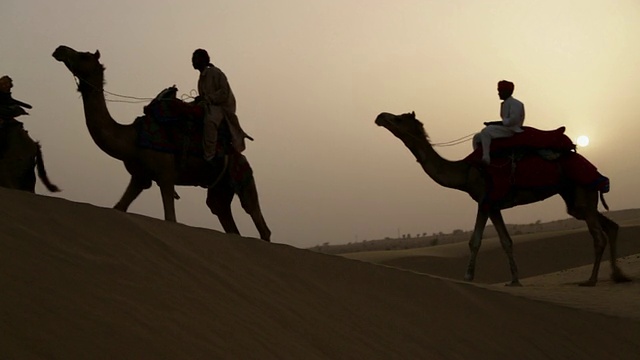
(505, 85)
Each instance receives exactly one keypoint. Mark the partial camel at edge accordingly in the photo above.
(21, 158)
(581, 201)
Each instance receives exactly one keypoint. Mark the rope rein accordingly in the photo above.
(459, 141)
(131, 99)
(193, 93)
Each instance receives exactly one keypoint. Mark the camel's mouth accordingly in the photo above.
(383, 119)
(62, 53)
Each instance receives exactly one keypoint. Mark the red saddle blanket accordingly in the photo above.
(543, 161)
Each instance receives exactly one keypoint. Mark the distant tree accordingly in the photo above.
(434, 242)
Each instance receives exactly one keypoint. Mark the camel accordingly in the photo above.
(581, 202)
(19, 156)
(146, 166)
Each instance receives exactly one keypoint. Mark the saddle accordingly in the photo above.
(174, 126)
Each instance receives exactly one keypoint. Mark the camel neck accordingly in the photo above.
(451, 174)
(111, 137)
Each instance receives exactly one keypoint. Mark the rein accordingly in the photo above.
(136, 100)
(441, 144)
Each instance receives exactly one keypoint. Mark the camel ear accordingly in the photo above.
(413, 114)
(97, 54)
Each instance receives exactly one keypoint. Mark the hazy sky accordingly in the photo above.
(310, 78)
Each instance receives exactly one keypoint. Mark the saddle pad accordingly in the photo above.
(543, 176)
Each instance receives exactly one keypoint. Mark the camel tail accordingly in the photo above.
(42, 172)
(604, 203)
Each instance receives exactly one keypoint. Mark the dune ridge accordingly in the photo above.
(80, 282)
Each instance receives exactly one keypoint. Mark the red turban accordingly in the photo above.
(505, 85)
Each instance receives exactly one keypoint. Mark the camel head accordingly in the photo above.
(405, 127)
(83, 65)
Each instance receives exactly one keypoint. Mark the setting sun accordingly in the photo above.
(583, 140)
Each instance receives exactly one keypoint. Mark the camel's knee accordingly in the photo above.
(219, 206)
(599, 241)
(576, 213)
(146, 184)
(608, 225)
(214, 208)
(507, 246)
(474, 243)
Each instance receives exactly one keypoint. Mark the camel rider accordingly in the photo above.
(10, 107)
(512, 115)
(216, 97)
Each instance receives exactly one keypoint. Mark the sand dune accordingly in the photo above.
(82, 282)
(550, 264)
(535, 254)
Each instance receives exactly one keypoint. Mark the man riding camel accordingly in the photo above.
(219, 103)
(10, 108)
(512, 115)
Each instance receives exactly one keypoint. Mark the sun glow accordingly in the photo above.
(583, 140)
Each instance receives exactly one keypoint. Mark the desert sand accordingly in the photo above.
(84, 282)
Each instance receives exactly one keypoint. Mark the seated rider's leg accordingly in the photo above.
(492, 132)
(212, 120)
(476, 141)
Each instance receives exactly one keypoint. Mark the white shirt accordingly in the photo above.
(512, 113)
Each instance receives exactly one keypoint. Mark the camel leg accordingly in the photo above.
(507, 245)
(599, 243)
(611, 229)
(219, 202)
(475, 242)
(251, 204)
(135, 187)
(583, 205)
(167, 190)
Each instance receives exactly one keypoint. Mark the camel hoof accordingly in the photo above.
(619, 277)
(514, 283)
(468, 277)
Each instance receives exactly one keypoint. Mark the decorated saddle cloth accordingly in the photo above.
(535, 160)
